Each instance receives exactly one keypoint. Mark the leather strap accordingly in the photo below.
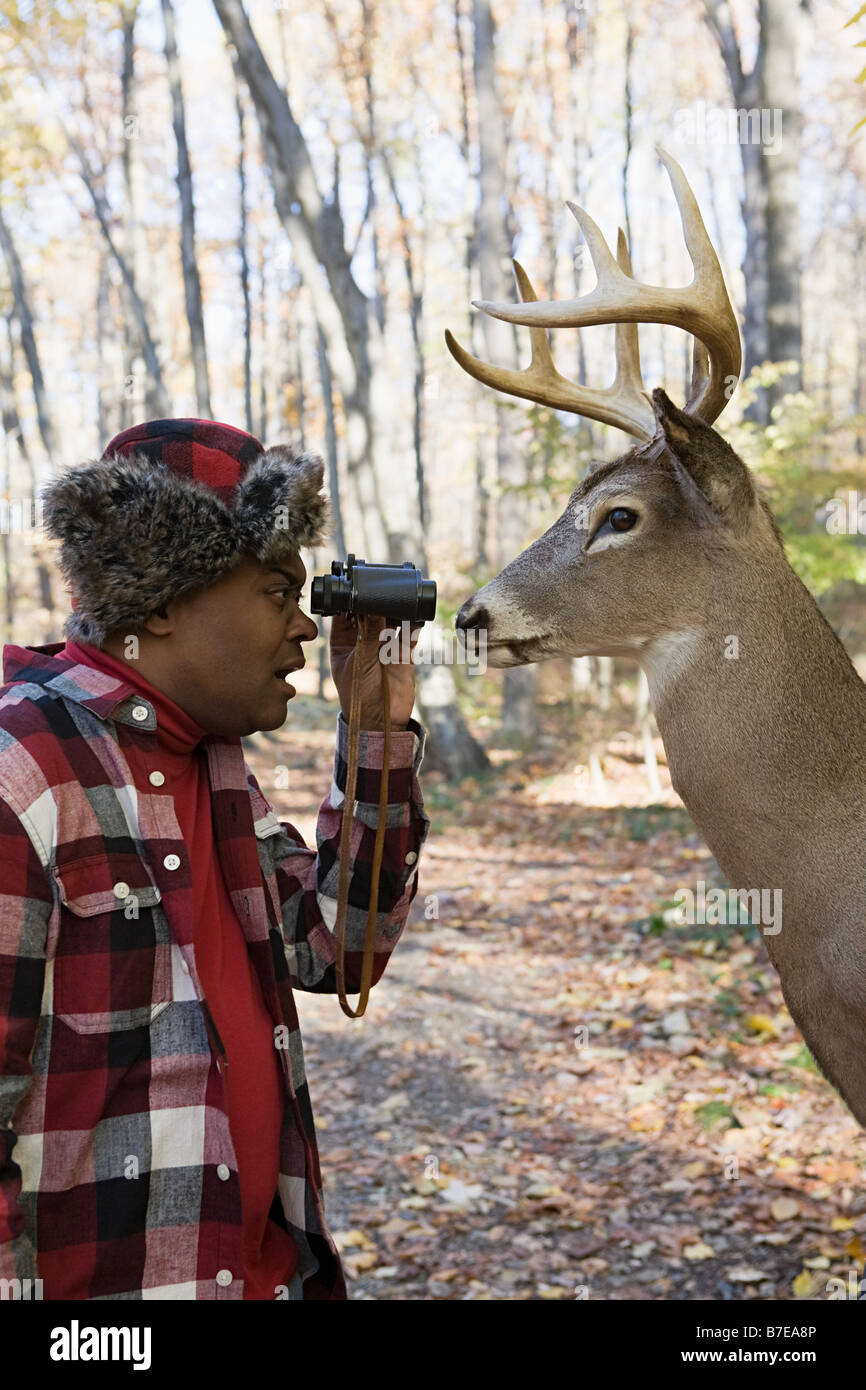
(346, 836)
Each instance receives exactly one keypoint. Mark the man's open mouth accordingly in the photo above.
(283, 671)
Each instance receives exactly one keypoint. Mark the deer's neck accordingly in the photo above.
(763, 718)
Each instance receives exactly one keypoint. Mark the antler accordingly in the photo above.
(702, 308)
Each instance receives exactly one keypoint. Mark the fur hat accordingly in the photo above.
(171, 506)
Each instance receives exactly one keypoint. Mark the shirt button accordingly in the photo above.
(156, 779)
(224, 1173)
(183, 965)
(121, 890)
(171, 861)
(140, 712)
(411, 857)
(224, 1277)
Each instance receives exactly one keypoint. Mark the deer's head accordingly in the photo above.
(633, 555)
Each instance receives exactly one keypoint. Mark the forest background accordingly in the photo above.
(268, 215)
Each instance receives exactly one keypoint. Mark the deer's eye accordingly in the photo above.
(622, 518)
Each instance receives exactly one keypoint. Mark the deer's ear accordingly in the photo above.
(709, 460)
(676, 426)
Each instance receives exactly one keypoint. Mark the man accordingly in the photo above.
(156, 1132)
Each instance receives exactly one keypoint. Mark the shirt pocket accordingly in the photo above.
(112, 966)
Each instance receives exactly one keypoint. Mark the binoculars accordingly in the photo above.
(354, 587)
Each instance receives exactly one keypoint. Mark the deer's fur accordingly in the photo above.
(765, 735)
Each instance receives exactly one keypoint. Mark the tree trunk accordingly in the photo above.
(771, 194)
(330, 440)
(355, 350)
(745, 89)
(104, 421)
(243, 253)
(156, 396)
(6, 551)
(859, 279)
(333, 475)
(782, 34)
(24, 315)
(14, 432)
(370, 142)
(293, 331)
(264, 356)
(317, 234)
(482, 495)
(416, 321)
(132, 347)
(191, 280)
(519, 713)
(627, 124)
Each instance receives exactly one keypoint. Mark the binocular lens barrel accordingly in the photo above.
(330, 595)
(395, 591)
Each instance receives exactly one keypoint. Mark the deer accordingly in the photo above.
(670, 556)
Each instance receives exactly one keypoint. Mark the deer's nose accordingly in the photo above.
(472, 616)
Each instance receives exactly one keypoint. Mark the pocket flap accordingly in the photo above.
(267, 825)
(103, 882)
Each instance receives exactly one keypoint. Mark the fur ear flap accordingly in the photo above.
(74, 502)
(279, 505)
(709, 460)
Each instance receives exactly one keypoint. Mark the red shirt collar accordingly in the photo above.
(176, 730)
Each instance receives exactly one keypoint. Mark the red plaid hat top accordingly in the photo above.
(203, 451)
(170, 506)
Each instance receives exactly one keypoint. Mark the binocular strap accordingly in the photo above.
(346, 835)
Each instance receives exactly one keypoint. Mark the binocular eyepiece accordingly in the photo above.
(395, 591)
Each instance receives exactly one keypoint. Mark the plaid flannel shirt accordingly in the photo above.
(116, 1162)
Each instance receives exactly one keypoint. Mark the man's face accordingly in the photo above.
(219, 650)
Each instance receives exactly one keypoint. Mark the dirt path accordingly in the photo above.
(557, 1094)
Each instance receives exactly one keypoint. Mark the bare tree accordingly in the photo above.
(349, 323)
(131, 226)
(191, 279)
(243, 253)
(316, 230)
(519, 714)
(156, 396)
(24, 315)
(14, 436)
(771, 183)
(482, 494)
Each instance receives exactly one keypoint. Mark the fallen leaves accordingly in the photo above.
(784, 1209)
(761, 1023)
(688, 1150)
(460, 1194)
(746, 1274)
(806, 1284)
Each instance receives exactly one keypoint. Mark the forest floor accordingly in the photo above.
(557, 1092)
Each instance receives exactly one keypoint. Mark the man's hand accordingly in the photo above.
(353, 641)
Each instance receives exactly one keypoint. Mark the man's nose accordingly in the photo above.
(309, 630)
